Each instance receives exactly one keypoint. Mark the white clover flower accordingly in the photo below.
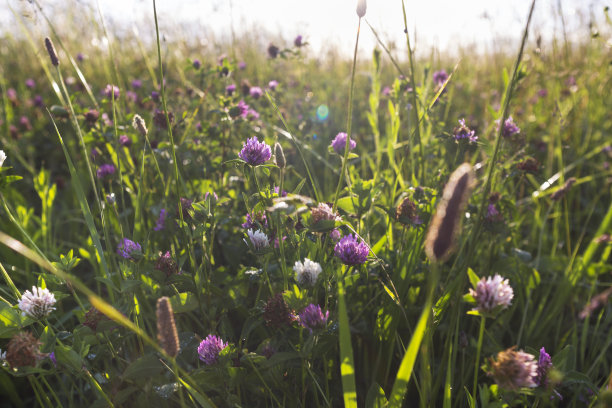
(2, 157)
(38, 303)
(306, 273)
(492, 292)
(259, 239)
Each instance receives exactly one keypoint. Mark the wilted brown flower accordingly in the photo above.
(277, 313)
(514, 369)
(23, 350)
(560, 193)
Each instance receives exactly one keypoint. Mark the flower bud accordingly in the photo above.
(361, 8)
(280, 156)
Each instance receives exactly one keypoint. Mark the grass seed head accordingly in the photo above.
(166, 328)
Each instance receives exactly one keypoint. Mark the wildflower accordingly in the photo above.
(91, 116)
(196, 64)
(277, 313)
(2, 157)
(124, 140)
(53, 359)
(52, 53)
(38, 303)
(242, 65)
(166, 264)
(493, 214)
(136, 83)
(312, 317)
(139, 124)
(24, 123)
(514, 369)
(159, 224)
(80, 57)
(111, 91)
(351, 250)
(443, 230)
(105, 171)
(30, 83)
(129, 249)
(254, 152)
(529, 165)
(159, 118)
(23, 350)
(256, 92)
(92, 318)
(440, 77)
(510, 129)
(307, 273)
(323, 212)
(339, 143)
(462, 132)
(273, 51)
(272, 84)
(406, 212)
(560, 193)
(335, 235)
(278, 192)
(298, 42)
(544, 366)
(361, 8)
(230, 89)
(166, 327)
(268, 350)
(386, 91)
(38, 101)
(155, 96)
(240, 110)
(210, 348)
(254, 220)
(492, 293)
(258, 239)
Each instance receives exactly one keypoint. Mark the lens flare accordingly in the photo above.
(322, 113)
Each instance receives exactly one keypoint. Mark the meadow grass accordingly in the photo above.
(247, 224)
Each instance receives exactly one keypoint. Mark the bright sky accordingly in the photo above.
(447, 24)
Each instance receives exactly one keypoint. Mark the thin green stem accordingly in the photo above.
(477, 361)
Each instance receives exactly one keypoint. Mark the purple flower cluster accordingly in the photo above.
(256, 92)
(105, 170)
(439, 77)
(129, 249)
(298, 42)
(339, 143)
(510, 129)
(161, 220)
(255, 152)
(462, 132)
(111, 91)
(544, 366)
(210, 348)
(255, 220)
(230, 89)
(351, 250)
(273, 84)
(312, 317)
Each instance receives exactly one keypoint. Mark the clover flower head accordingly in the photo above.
(255, 152)
(544, 366)
(312, 317)
(105, 170)
(462, 132)
(491, 293)
(210, 348)
(339, 143)
(38, 303)
(307, 273)
(514, 369)
(259, 239)
(129, 249)
(351, 250)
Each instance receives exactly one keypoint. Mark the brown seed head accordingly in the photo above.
(406, 212)
(23, 350)
(52, 52)
(443, 230)
(166, 328)
(560, 193)
(277, 313)
(280, 156)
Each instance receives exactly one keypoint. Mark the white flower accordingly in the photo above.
(38, 303)
(361, 8)
(259, 239)
(2, 157)
(2, 357)
(491, 293)
(306, 273)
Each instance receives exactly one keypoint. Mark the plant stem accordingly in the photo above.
(477, 361)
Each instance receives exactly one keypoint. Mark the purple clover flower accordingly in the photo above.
(196, 64)
(312, 317)
(111, 90)
(256, 92)
(439, 77)
(230, 89)
(242, 65)
(124, 140)
(136, 83)
(53, 359)
(351, 250)
(339, 143)
(255, 152)
(80, 57)
(298, 42)
(510, 129)
(273, 84)
(462, 132)
(544, 366)
(253, 220)
(30, 83)
(105, 171)
(161, 220)
(129, 249)
(210, 348)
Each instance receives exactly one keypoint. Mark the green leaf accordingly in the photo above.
(184, 302)
(376, 397)
(474, 279)
(144, 368)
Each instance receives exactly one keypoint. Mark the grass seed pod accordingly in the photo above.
(166, 328)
